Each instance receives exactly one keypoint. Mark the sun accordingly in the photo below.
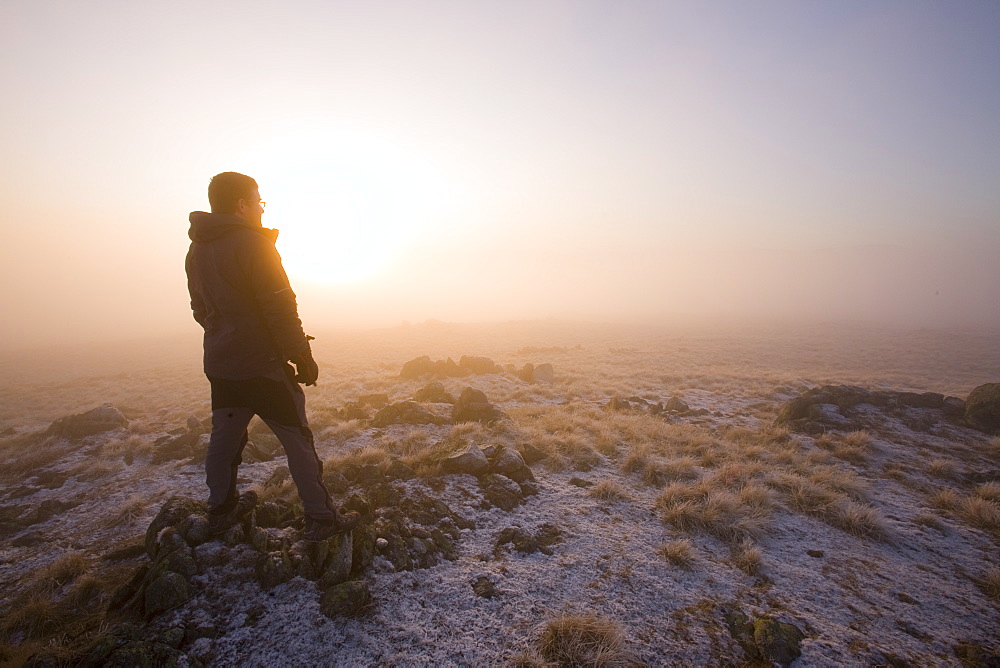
(346, 203)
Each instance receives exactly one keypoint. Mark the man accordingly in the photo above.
(241, 296)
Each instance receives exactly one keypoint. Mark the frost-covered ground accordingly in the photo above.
(907, 597)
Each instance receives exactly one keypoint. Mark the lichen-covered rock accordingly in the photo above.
(473, 406)
(337, 566)
(778, 642)
(508, 460)
(471, 460)
(345, 599)
(273, 569)
(171, 514)
(195, 529)
(363, 548)
(96, 421)
(167, 591)
(982, 408)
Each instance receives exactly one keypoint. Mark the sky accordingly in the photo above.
(487, 161)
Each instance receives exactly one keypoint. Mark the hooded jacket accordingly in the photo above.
(241, 296)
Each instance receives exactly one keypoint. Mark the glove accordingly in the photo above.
(306, 369)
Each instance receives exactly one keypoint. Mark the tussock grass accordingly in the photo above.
(609, 490)
(980, 512)
(583, 640)
(127, 446)
(929, 520)
(659, 472)
(747, 557)
(340, 432)
(943, 468)
(131, 511)
(990, 583)
(58, 574)
(680, 552)
(858, 519)
(717, 511)
(854, 447)
(366, 456)
(944, 499)
(988, 491)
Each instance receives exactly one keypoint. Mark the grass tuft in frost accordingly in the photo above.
(583, 640)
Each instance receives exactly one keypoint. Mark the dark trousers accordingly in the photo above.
(281, 404)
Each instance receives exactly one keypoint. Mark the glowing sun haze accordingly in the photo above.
(497, 160)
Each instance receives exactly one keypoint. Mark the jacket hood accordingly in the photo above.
(211, 226)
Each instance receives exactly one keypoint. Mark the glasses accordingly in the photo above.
(262, 203)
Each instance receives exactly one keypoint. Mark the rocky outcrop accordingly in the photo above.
(764, 639)
(469, 460)
(982, 408)
(405, 412)
(96, 421)
(841, 407)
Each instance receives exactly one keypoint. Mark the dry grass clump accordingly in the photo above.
(833, 498)
(944, 499)
(680, 552)
(989, 491)
(58, 574)
(638, 458)
(132, 510)
(609, 490)
(366, 456)
(747, 557)
(857, 519)
(412, 443)
(980, 513)
(583, 640)
(721, 512)
(990, 584)
(341, 432)
(854, 447)
(25, 455)
(659, 472)
(943, 468)
(929, 520)
(127, 446)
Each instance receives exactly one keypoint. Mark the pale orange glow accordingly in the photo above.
(346, 203)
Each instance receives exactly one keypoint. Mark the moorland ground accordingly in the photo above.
(878, 541)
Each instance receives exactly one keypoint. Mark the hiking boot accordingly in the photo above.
(317, 530)
(220, 523)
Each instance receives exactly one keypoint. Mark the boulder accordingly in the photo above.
(378, 400)
(676, 405)
(434, 393)
(544, 373)
(338, 563)
(471, 460)
(345, 599)
(423, 366)
(618, 404)
(172, 513)
(479, 365)
(96, 421)
(953, 407)
(779, 643)
(507, 461)
(405, 412)
(527, 373)
(473, 406)
(273, 569)
(828, 414)
(167, 591)
(982, 408)
(397, 470)
(531, 454)
(921, 399)
(501, 492)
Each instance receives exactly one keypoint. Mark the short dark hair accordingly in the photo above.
(225, 190)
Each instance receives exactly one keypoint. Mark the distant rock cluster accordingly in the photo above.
(423, 366)
(96, 421)
(673, 406)
(842, 407)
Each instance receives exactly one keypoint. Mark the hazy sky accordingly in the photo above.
(496, 160)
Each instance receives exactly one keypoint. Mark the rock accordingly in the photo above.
(507, 461)
(479, 365)
(339, 560)
(422, 366)
(195, 529)
(381, 544)
(166, 592)
(527, 373)
(542, 540)
(953, 407)
(484, 587)
(471, 461)
(180, 447)
(828, 414)
(794, 409)
(816, 554)
(345, 599)
(434, 393)
(921, 400)
(580, 482)
(405, 412)
(352, 410)
(676, 405)
(544, 373)
(273, 569)
(618, 404)
(473, 406)
(363, 548)
(530, 453)
(96, 421)
(778, 642)
(374, 400)
(172, 513)
(397, 470)
(501, 491)
(272, 514)
(982, 408)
